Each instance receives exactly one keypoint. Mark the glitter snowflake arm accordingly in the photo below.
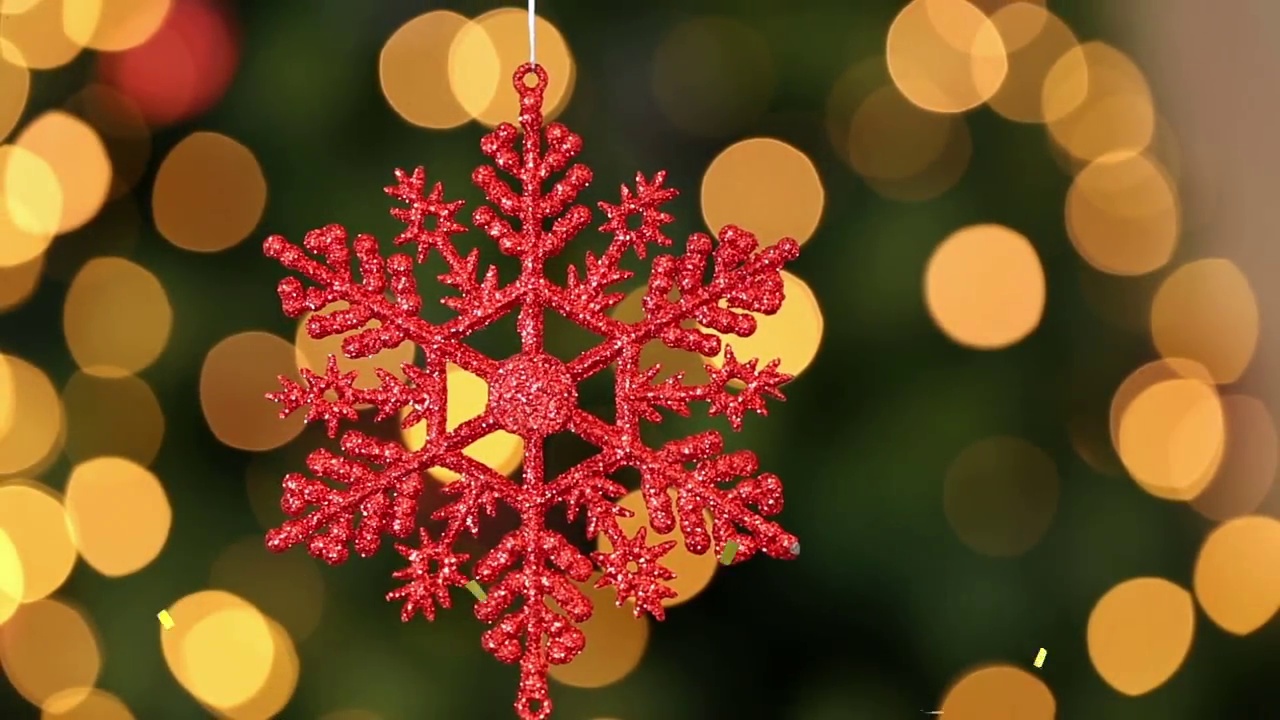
(372, 488)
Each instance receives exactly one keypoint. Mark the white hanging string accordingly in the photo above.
(533, 36)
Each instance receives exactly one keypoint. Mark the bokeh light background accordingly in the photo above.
(1029, 324)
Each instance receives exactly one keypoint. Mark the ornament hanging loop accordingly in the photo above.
(530, 72)
(530, 95)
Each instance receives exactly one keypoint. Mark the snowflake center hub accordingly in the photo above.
(532, 395)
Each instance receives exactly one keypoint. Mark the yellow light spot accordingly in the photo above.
(17, 283)
(1140, 632)
(224, 650)
(48, 649)
(91, 405)
(314, 354)
(764, 186)
(282, 680)
(712, 76)
(984, 286)
(693, 572)
(34, 520)
(999, 691)
(234, 637)
(37, 38)
(15, 87)
(26, 393)
(792, 335)
(486, 51)
(287, 586)
(166, 620)
(113, 25)
(17, 7)
(119, 514)
(237, 374)
(30, 205)
(1140, 380)
(1122, 214)
(1206, 311)
(78, 157)
(1171, 438)
(1237, 580)
(85, 704)
(1036, 40)
(209, 193)
(12, 577)
(945, 55)
(468, 396)
(615, 643)
(414, 70)
(1249, 460)
(1000, 495)
(1098, 102)
(1040, 657)
(117, 317)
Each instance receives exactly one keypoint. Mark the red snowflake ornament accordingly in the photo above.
(371, 487)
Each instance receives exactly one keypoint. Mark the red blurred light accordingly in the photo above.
(183, 69)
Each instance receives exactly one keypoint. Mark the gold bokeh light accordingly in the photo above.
(33, 518)
(1249, 463)
(764, 186)
(1207, 311)
(484, 53)
(1171, 437)
(119, 515)
(1123, 214)
(1237, 580)
(999, 691)
(1036, 40)
(15, 88)
(945, 55)
(50, 650)
(116, 317)
(85, 704)
(209, 194)
(26, 393)
(1140, 632)
(237, 374)
(113, 25)
(77, 156)
(413, 68)
(30, 205)
(984, 287)
(92, 406)
(1098, 102)
(37, 39)
(222, 649)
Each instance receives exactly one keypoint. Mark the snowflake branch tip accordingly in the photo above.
(433, 569)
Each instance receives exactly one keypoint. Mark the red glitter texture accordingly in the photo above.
(371, 487)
